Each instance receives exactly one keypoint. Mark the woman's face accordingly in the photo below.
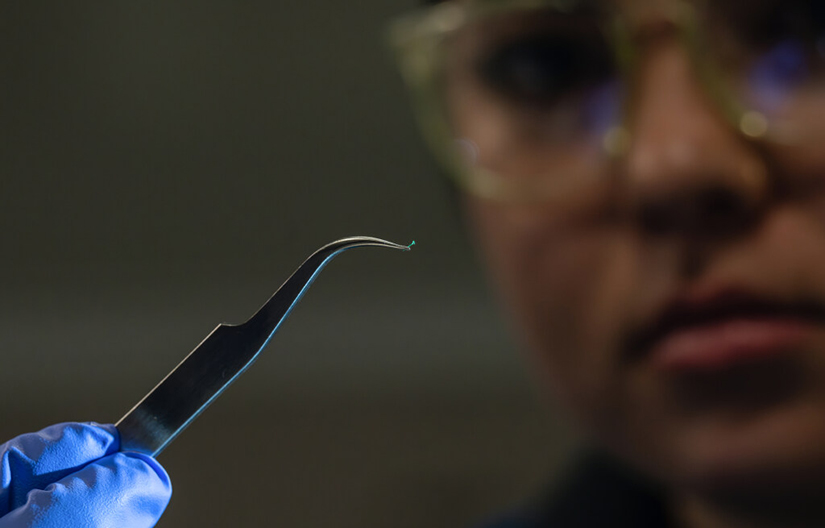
(679, 312)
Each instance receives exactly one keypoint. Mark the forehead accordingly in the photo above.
(651, 6)
(644, 15)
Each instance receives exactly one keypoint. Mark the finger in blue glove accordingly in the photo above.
(71, 475)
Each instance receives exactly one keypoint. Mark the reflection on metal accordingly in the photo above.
(616, 141)
(220, 358)
(754, 124)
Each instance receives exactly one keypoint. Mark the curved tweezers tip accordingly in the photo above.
(280, 304)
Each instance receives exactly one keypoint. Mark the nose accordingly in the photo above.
(688, 172)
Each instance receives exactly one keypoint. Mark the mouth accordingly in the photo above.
(725, 329)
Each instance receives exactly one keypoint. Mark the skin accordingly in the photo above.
(579, 281)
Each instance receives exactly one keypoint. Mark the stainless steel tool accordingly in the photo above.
(220, 358)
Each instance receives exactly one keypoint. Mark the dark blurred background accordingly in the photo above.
(165, 166)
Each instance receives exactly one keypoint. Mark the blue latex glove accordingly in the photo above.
(72, 476)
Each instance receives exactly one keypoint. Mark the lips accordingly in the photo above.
(726, 328)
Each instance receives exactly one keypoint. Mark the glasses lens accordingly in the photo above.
(773, 54)
(530, 97)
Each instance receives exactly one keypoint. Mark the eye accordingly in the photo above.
(543, 69)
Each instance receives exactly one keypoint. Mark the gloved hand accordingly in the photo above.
(72, 476)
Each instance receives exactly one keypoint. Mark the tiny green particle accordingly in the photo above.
(411, 245)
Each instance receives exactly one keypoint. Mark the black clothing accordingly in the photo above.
(598, 493)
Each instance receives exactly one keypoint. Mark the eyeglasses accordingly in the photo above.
(531, 99)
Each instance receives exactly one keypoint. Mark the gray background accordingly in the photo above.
(165, 166)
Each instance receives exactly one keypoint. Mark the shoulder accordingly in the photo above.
(595, 492)
(512, 520)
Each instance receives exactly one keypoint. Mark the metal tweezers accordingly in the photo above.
(220, 359)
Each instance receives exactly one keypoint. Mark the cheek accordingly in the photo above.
(800, 233)
(786, 254)
(568, 291)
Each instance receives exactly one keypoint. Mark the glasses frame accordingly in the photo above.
(416, 39)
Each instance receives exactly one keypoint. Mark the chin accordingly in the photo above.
(780, 451)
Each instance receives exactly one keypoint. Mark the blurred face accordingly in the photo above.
(676, 306)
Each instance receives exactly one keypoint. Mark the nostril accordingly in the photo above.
(657, 219)
(717, 206)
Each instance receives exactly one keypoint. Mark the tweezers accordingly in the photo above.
(220, 359)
